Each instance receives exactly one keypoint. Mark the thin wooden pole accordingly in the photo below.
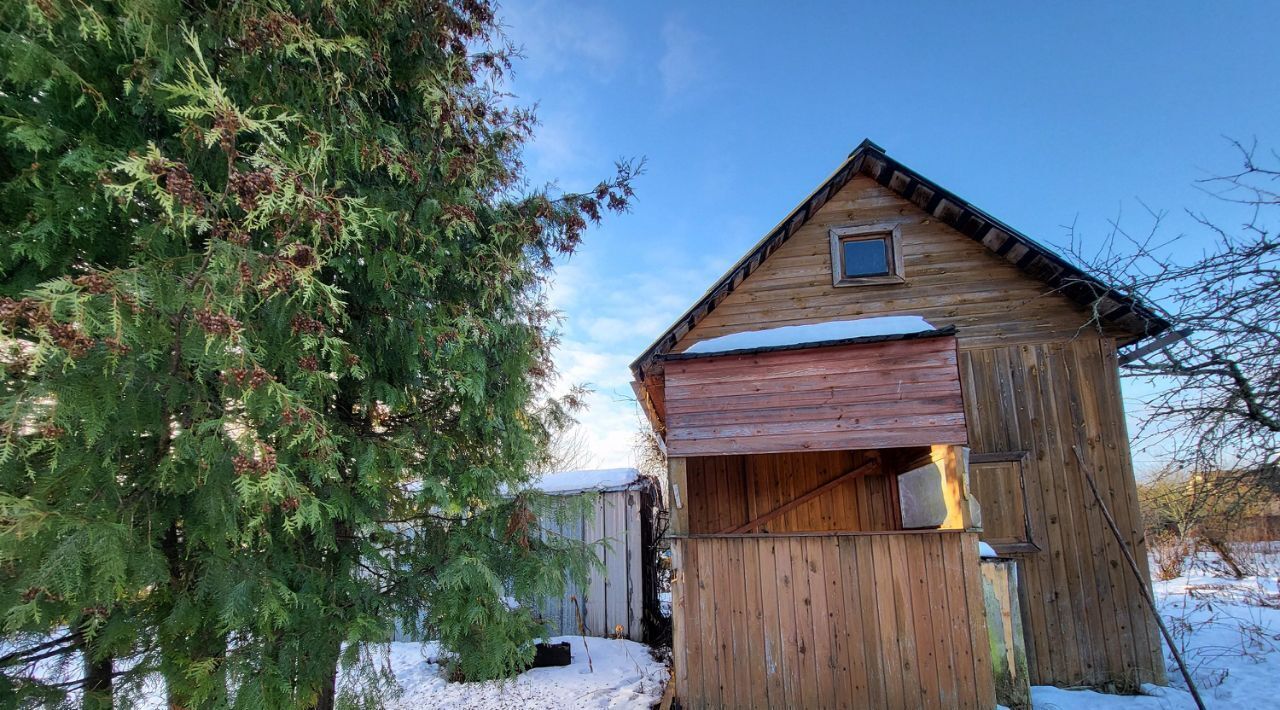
(1142, 584)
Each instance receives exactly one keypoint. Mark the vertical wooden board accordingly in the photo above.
(1058, 619)
(695, 638)
(940, 617)
(985, 682)
(808, 665)
(771, 620)
(1038, 581)
(893, 516)
(619, 606)
(740, 660)
(677, 495)
(713, 624)
(788, 600)
(864, 492)
(837, 620)
(894, 662)
(1108, 453)
(680, 640)
(592, 531)
(1073, 641)
(865, 640)
(1112, 414)
(917, 578)
(1108, 627)
(959, 621)
(822, 659)
(842, 502)
(571, 529)
(828, 502)
(1091, 638)
(609, 596)
(758, 667)
(912, 671)
(636, 555)
(713, 469)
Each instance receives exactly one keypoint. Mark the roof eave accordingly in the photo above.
(1024, 252)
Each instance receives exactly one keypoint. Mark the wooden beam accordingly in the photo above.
(677, 498)
(864, 469)
(1165, 340)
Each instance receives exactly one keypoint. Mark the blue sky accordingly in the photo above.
(1043, 115)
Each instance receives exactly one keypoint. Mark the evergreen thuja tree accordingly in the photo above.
(274, 344)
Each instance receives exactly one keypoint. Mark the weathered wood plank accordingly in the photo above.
(905, 417)
(857, 439)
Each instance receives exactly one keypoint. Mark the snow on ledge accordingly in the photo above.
(601, 479)
(813, 333)
(985, 550)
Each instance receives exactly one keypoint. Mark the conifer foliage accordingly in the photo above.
(270, 317)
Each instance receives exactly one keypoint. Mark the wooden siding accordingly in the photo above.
(726, 491)
(950, 280)
(882, 620)
(855, 396)
(1085, 620)
(613, 597)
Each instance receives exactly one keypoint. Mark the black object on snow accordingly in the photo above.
(551, 654)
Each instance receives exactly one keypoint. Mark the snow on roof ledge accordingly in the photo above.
(601, 479)
(813, 333)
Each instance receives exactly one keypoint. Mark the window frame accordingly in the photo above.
(1027, 545)
(892, 236)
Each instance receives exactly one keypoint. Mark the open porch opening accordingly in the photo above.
(800, 586)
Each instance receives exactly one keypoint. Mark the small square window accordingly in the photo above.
(866, 255)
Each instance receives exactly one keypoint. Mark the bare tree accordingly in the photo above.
(569, 450)
(1216, 409)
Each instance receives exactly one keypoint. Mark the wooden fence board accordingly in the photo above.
(841, 620)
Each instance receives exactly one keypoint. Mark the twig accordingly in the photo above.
(1142, 585)
(582, 630)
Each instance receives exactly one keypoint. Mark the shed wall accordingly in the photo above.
(614, 595)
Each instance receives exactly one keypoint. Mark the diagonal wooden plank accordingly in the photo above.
(863, 470)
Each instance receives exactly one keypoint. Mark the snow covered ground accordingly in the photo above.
(1228, 630)
(624, 676)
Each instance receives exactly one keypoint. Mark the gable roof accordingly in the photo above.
(869, 159)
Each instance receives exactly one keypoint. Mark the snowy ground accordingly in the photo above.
(624, 676)
(1228, 630)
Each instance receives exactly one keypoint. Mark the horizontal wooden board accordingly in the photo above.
(924, 386)
(852, 396)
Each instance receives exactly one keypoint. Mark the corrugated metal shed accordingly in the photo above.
(623, 516)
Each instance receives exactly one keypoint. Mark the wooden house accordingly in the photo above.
(828, 492)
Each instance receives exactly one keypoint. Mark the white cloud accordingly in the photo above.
(560, 37)
(683, 66)
(609, 319)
